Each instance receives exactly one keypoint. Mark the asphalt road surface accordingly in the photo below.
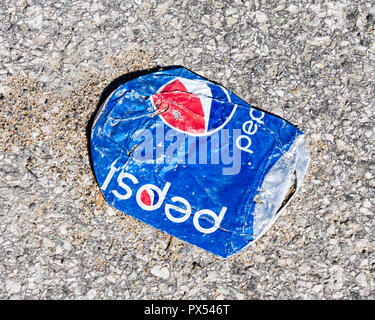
(310, 62)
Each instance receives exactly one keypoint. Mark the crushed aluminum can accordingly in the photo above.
(189, 157)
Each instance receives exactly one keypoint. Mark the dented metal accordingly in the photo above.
(192, 159)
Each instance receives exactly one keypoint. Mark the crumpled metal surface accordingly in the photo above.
(188, 157)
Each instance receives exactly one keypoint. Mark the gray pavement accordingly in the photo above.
(310, 62)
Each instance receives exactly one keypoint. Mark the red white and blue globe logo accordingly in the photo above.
(194, 107)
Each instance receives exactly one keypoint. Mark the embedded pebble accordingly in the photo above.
(161, 272)
(91, 294)
(12, 286)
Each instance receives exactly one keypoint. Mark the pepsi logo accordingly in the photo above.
(193, 107)
(149, 197)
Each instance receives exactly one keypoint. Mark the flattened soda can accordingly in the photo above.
(189, 157)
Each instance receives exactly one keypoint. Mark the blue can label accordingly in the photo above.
(189, 157)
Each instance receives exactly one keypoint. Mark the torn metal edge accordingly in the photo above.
(295, 174)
